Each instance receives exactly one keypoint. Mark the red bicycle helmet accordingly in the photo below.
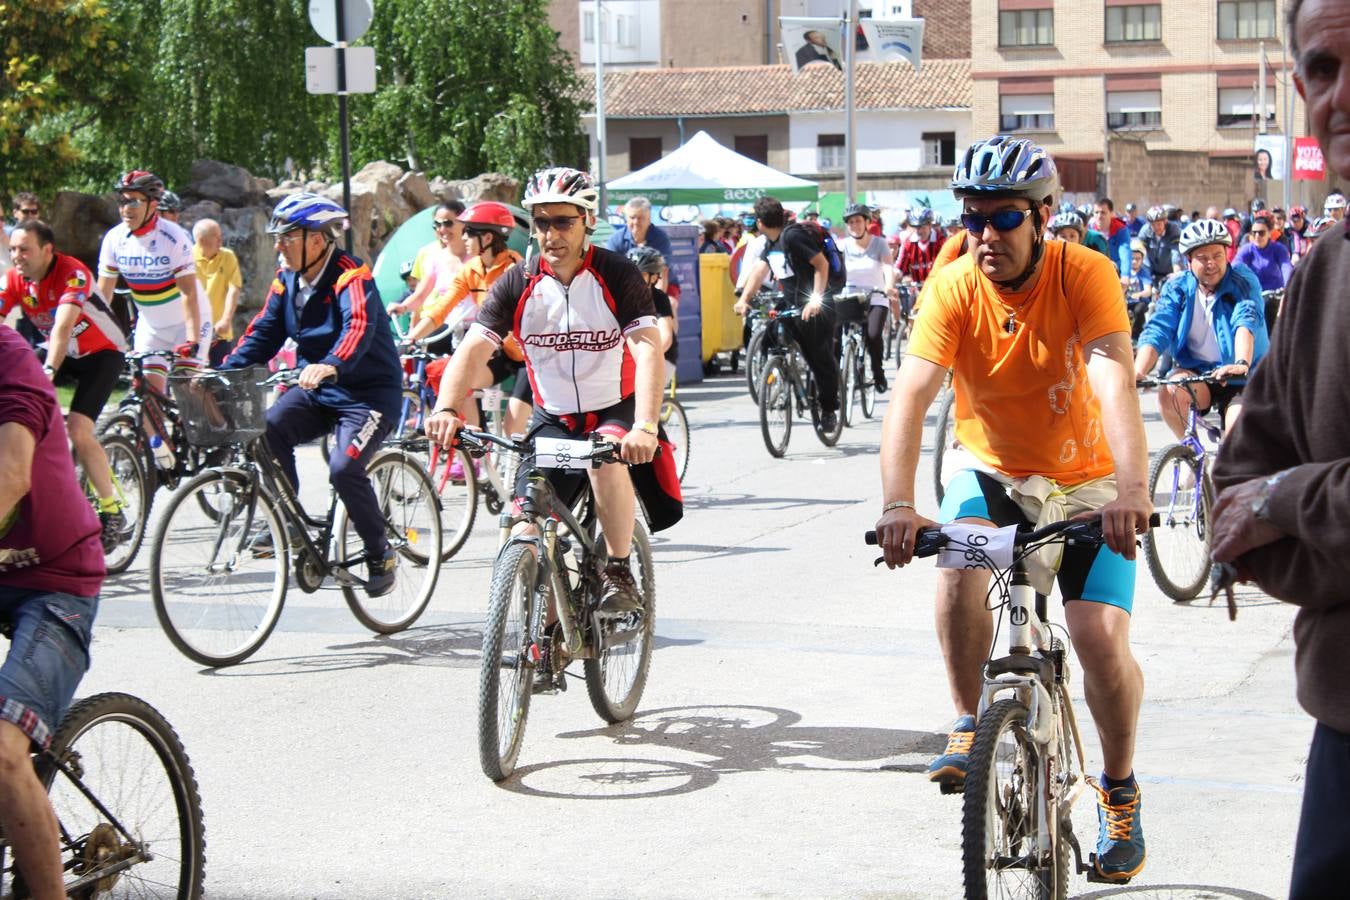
(141, 181)
(489, 216)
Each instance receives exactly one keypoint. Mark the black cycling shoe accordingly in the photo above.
(880, 383)
(829, 420)
(380, 573)
(113, 524)
(619, 594)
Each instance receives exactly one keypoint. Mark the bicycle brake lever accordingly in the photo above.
(1222, 578)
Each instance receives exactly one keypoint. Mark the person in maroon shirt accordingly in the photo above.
(51, 571)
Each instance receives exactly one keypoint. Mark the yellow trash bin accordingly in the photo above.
(721, 325)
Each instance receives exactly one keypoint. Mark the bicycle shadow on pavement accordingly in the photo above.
(1247, 596)
(449, 646)
(769, 504)
(732, 739)
(1174, 892)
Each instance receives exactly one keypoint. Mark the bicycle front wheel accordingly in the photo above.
(944, 437)
(848, 371)
(828, 438)
(1177, 550)
(676, 424)
(412, 525)
(505, 679)
(128, 757)
(617, 673)
(755, 357)
(867, 387)
(218, 579)
(999, 832)
(775, 406)
(131, 488)
(458, 497)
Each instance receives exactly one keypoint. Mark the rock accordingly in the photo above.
(283, 190)
(244, 230)
(442, 190)
(80, 221)
(204, 209)
(230, 186)
(490, 186)
(415, 191)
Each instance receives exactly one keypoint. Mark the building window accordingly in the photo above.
(626, 32)
(830, 155)
(754, 146)
(1134, 23)
(643, 151)
(1237, 107)
(939, 149)
(1244, 20)
(1133, 110)
(1026, 112)
(588, 26)
(1026, 28)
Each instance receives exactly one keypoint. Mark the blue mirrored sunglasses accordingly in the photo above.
(1003, 220)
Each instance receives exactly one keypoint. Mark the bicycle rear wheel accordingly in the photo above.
(412, 525)
(944, 437)
(458, 497)
(132, 491)
(755, 358)
(848, 372)
(617, 674)
(867, 387)
(828, 438)
(775, 406)
(999, 831)
(1177, 550)
(218, 581)
(506, 676)
(676, 424)
(130, 758)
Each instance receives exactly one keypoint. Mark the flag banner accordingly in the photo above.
(810, 42)
(1308, 162)
(895, 39)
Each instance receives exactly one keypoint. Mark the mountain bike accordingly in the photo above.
(219, 580)
(1026, 761)
(1272, 303)
(858, 387)
(899, 327)
(555, 564)
(676, 425)
(786, 380)
(132, 492)
(129, 815)
(756, 350)
(944, 434)
(1183, 494)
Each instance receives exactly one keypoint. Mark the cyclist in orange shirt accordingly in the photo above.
(1049, 425)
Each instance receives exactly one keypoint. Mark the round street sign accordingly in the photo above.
(356, 16)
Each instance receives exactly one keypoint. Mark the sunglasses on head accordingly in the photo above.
(1003, 220)
(542, 224)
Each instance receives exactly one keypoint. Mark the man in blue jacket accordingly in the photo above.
(328, 303)
(1211, 320)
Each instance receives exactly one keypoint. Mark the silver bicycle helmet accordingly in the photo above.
(1202, 233)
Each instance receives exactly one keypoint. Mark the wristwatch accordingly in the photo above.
(1243, 363)
(1260, 504)
(648, 427)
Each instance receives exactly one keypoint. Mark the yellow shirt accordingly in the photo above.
(217, 275)
(1023, 402)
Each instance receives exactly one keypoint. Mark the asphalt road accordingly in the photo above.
(795, 696)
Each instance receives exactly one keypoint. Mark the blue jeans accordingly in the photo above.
(48, 655)
(1323, 839)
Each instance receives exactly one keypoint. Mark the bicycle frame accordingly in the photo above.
(1195, 423)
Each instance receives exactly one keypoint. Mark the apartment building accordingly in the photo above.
(1148, 101)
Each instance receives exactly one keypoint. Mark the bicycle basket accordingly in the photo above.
(220, 407)
(850, 306)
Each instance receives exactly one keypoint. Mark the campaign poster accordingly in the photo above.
(810, 42)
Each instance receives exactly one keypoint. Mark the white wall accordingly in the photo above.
(631, 32)
(888, 141)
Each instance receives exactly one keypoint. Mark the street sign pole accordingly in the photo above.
(342, 118)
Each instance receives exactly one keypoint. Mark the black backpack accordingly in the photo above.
(821, 235)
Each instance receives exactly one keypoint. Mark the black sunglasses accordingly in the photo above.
(28, 210)
(560, 224)
(442, 223)
(1003, 220)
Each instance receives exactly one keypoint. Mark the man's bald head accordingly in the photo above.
(207, 235)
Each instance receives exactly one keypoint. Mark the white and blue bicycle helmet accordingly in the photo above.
(1004, 166)
(311, 212)
(1202, 233)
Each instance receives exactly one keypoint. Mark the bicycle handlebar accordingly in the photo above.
(931, 540)
(475, 442)
(1189, 379)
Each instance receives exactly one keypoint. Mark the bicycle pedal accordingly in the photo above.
(1095, 877)
(952, 787)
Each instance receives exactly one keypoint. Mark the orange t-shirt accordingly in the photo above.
(1023, 402)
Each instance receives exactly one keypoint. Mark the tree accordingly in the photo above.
(467, 86)
(61, 68)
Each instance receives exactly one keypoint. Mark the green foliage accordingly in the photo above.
(60, 63)
(468, 86)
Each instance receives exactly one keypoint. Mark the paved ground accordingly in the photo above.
(794, 698)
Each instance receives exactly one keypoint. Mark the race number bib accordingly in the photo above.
(558, 453)
(977, 547)
(779, 265)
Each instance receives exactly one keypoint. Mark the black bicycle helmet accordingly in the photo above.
(856, 209)
(648, 260)
(171, 202)
(147, 183)
(406, 269)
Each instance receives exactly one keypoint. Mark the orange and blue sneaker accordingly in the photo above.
(949, 769)
(1120, 844)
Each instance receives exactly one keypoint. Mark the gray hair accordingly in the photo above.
(1291, 25)
(204, 226)
(638, 204)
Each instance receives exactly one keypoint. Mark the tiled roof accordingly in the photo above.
(769, 90)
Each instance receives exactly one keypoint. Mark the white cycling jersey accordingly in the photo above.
(152, 259)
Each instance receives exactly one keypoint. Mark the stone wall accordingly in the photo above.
(1189, 180)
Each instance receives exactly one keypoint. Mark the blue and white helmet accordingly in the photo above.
(311, 212)
(1202, 233)
(1004, 166)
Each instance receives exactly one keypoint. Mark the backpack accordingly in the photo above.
(838, 272)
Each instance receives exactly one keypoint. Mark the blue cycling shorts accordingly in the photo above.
(1098, 574)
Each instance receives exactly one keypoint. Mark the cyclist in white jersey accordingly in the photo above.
(154, 255)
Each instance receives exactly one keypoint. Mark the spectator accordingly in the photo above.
(712, 236)
(1267, 258)
(638, 231)
(731, 233)
(1116, 232)
(1283, 517)
(218, 273)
